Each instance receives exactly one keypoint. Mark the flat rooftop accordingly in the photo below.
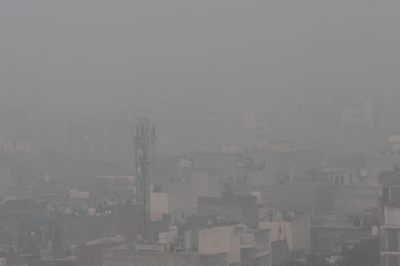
(334, 169)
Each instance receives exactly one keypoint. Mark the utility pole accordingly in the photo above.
(144, 138)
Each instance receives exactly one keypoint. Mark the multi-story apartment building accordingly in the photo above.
(390, 217)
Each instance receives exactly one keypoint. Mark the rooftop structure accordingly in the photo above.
(244, 209)
(337, 176)
(389, 233)
(295, 229)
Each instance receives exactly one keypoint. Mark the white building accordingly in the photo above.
(297, 232)
(243, 246)
(390, 235)
(159, 205)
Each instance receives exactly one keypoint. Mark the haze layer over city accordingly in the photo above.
(196, 133)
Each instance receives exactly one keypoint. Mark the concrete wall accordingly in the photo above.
(280, 251)
(228, 213)
(92, 255)
(183, 196)
(262, 178)
(334, 176)
(349, 178)
(79, 230)
(243, 209)
(301, 232)
(230, 164)
(207, 183)
(136, 258)
(350, 114)
(165, 165)
(323, 198)
(219, 239)
(314, 198)
(376, 161)
(159, 205)
(291, 163)
(297, 233)
(274, 227)
(325, 238)
(354, 199)
(6, 179)
(126, 220)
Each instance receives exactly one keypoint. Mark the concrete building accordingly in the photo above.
(15, 145)
(159, 205)
(337, 176)
(361, 111)
(377, 162)
(395, 141)
(77, 230)
(249, 120)
(243, 246)
(166, 166)
(280, 252)
(361, 120)
(91, 253)
(224, 244)
(368, 242)
(114, 181)
(262, 178)
(130, 257)
(327, 230)
(296, 231)
(197, 222)
(243, 209)
(225, 164)
(389, 181)
(287, 159)
(390, 232)
(353, 200)
(313, 198)
(221, 239)
(126, 220)
(205, 174)
(183, 193)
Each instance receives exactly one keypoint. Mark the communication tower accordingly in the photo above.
(144, 138)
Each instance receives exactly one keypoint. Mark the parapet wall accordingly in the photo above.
(123, 257)
(354, 199)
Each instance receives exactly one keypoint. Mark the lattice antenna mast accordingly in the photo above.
(144, 138)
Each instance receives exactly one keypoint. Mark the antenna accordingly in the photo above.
(144, 138)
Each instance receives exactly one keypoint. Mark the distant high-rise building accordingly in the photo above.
(249, 119)
(365, 111)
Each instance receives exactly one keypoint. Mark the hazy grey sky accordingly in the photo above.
(68, 55)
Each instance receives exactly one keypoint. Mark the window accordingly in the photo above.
(351, 178)
(392, 239)
(341, 180)
(337, 181)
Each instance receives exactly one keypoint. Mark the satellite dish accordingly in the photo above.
(209, 222)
